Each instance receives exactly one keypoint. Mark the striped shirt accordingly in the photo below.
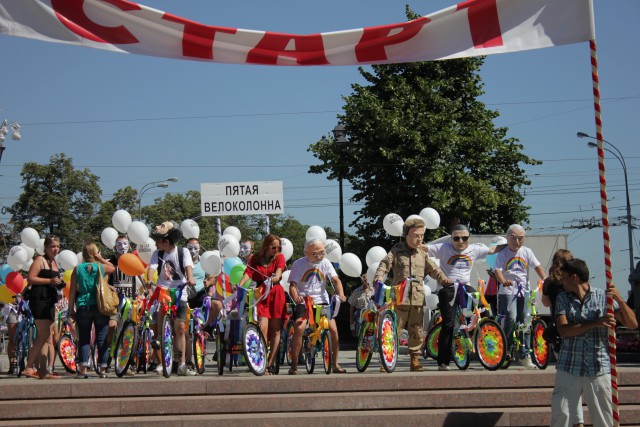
(585, 355)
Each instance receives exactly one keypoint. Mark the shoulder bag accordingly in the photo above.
(106, 298)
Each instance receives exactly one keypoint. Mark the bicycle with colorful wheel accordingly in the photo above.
(238, 333)
(198, 318)
(378, 330)
(472, 333)
(143, 351)
(316, 337)
(67, 344)
(533, 326)
(125, 336)
(25, 333)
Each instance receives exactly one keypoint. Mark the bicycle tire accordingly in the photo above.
(220, 353)
(125, 348)
(431, 341)
(166, 345)
(144, 350)
(308, 355)
(66, 349)
(366, 340)
(388, 341)
(254, 348)
(327, 352)
(490, 344)
(199, 351)
(289, 340)
(460, 352)
(539, 347)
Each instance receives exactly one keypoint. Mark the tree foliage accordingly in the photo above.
(57, 199)
(419, 137)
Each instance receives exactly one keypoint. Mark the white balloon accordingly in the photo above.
(121, 220)
(284, 282)
(109, 236)
(67, 259)
(17, 257)
(30, 250)
(371, 271)
(431, 284)
(316, 232)
(146, 249)
(287, 248)
(80, 257)
(234, 231)
(138, 232)
(351, 265)
(30, 237)
(190, 229)
(211, 263)
(392, 224)
(427, 290)
(375, 254)
(431, 302)
(27, 265)
(498, 240)
(333, 250)
(431, 218)
(229, 246)
(40, 247)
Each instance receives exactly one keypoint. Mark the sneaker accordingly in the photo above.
(155, 344)
(186, 371)
(158, 370)
(526, 362)
(444, 367)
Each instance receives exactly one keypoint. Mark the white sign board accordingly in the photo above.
(241, 198)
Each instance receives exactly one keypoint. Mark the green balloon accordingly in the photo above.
(236, 273)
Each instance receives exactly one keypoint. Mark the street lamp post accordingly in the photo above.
(620, 158)
(5, 128)
(339, 137)
(149, 186)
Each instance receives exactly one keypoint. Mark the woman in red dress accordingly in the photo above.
(269, 263)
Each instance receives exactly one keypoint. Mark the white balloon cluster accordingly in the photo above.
(20, 257)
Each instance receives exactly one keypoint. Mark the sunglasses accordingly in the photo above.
(459, 238)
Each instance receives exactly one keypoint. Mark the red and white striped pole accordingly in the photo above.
(605, 229)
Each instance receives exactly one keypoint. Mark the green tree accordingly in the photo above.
(58, 199)
(419, 137)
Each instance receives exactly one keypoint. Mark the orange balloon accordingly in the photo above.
(131, 265)
(66, 278)
(15, 282)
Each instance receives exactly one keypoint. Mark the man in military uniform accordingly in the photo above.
(409, 260)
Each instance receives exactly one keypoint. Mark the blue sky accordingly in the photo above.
(134, 119)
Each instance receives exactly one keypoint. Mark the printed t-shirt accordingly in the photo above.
(311, 279)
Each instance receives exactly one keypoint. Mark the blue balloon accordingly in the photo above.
(230, 262)
(4, 271)
(491, 260)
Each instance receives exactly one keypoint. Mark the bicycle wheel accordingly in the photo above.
(460, 352)
(166, 345)
(309, 355)
(254, 347)
(539, 347)
(220, 353)
(22, 349)
(289, 341)
(124, 348)
(199, 351)
(490, 344)
(327, 352)
(66, 349)
(431, 341)
(366, 340)
(144, 350)
(388, 338)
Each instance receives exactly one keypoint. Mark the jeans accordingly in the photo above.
(86, 317)
(447, 313)
(566, 402)
(510, 314)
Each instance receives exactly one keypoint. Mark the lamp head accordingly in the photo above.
(582, 135)
(592, 144)
(163, 185)
(173, 179)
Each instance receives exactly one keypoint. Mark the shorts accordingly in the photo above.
(197, 301)
(300, 311)
(275, 306)
(11, 318)
(181, 314)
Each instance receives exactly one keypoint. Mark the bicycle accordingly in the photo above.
(538, 348)
(237, 331)
(143, 348)
(378, 330)
(316, 337)
(473, 333)
(25, 333)
(67, 345)
(124, 337)
(198, 338)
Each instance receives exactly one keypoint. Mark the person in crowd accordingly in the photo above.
(121, 282)
(583, 366)
(44, 277)
(175, 269)
(308, 278)
(83, 308)
(409, 260)
(269, 263)
(11, 320)
(456, 262)
(512, 272)
(246, 250)
(358, 301)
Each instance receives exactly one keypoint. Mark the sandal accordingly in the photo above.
(31, 373)
(51, 377)
(81, 376)
(338, 370)
(293, 371)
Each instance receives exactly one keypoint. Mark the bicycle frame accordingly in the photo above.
(25, 333)
(316, 337)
